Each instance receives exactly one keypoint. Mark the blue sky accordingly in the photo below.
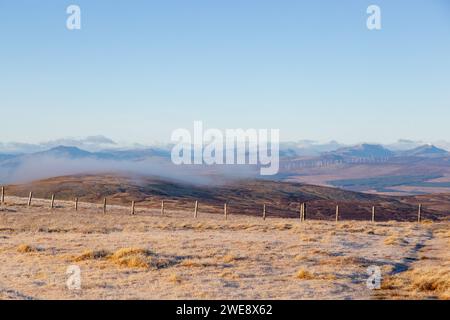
(137, 70)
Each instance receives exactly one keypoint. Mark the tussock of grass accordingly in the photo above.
(229, 258)
(132, 258)
(391, 283)
(194, 264)
(356, 230)
(443, 233)
(283, 226)
(390, 240)
(191, 263)
(134, 261)
(328, 276)
(175, 278)
(394, 240)
(346, 225)
(92, 255)
(139, 258)
(229, 275)
(434, 280)
(25, 248)
(319, 251)
(303, 258)
(126, 252)
(127, 257)
(377, 231)
(304, 275)
(345, 260)
(309, 239)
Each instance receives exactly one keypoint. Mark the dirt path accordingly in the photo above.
(426, 272)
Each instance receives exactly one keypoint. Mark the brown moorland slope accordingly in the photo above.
(282, 199)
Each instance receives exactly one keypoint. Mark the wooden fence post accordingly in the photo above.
(52, 204)
(225, 211)
(76, 204)
(29, 198)
(337, 213)
(419, 214)
(104, 205)
(3, 195)
(373, 214)
(264, 212)
(162, 207)
(304, 211)
(132, 207)
(301, 212)
(196, 209)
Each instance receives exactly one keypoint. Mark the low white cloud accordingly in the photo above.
(36, 168)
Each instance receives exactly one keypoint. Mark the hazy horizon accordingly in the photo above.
(100, 142)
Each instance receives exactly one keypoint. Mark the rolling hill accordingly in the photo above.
(369, 168)
(243, 197)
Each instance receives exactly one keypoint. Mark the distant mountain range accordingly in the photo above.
(375, 169)
(425, 151)
(293, 148)
(363, 151)
(365, 167)
(373, 151)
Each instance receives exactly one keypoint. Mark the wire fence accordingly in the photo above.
(307, 210)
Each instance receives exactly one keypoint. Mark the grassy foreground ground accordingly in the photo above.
(149, 256)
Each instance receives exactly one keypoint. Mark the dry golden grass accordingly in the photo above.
(229, 258)
(436, 280)
(429, 276)
(133, 261)
(344, 261)
(391, 282)
(304, 275)
(127, 252)
(227, 274)
(175, 278)
(144, 256)
(319, 251)
(25, 248)
(139, 258)
(433, 282)
(395, 240)
(126, 257)
(308, 239)
(191, 263)
(92, 255)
